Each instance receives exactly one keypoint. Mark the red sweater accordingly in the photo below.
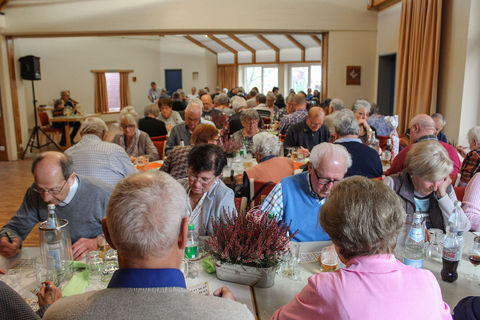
(399, 163)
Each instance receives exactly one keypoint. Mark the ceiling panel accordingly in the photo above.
(280, 41)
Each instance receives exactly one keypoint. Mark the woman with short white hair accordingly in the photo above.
(425, 185)
(361, 109)
(134, 141)
(471, 163)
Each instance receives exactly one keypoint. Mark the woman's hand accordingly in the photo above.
(442, 190)
(48, 294)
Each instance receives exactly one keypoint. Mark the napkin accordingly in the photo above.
(77, 284)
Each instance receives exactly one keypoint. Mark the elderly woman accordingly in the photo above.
(167, 115)
(471, 163)
(249, 119)
(209, 198)
(361, 109)
(176, 163)
(374, 284)
(471, 202)
(150, 124)
(425, 185)
(135, 142)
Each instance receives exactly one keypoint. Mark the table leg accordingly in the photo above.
(67, 134)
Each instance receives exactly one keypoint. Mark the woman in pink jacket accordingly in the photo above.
(363, 218)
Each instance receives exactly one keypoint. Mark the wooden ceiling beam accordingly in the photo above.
(198, 43)
(226, 46)
(317, 40)
(246, 46)
(298, 44)
(271, 45)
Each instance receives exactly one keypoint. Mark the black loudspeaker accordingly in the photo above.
(30, 68)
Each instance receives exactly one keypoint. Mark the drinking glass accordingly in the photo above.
(102, 246)
(474, 257)
(108, 270)
(95, 266)
(329, 259)
(141, 162)
(92, 254)
(111, 255)
(12, 278)
(292, 258)
(434, 249)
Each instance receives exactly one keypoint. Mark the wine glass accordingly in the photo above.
(434, 249)
(474, 257)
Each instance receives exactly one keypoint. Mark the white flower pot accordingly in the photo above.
(251, 276)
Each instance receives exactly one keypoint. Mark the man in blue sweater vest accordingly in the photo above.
(299, 198)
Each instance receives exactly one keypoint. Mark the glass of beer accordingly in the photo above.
(294, 154)
(141, 162)
(329, 259)
(474, 257)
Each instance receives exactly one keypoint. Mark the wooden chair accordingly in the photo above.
(260, 191)
(46, 126)
(159, 143)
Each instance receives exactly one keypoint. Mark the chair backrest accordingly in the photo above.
(382, 141)
(43, 116)
(159, 138)
(160, 145)
(459, 192)
(261, 189)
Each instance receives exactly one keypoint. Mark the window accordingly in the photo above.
(304, 77)
(113, 91)
(264, 78)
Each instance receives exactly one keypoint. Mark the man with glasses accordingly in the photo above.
(298, 198)
(79, 199)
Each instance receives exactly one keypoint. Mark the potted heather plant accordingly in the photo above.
(248, 247)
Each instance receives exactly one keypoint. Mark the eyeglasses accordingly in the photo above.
(202, 180)
(125, 126)
(52, 191)
(325, 181)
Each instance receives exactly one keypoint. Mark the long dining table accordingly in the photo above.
(264, 301)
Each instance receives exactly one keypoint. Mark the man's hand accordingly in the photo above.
(225, 293)
(303, 151)
(442, 190)
(8, 249)
(48, 294)
(2, 271)
(83, 246)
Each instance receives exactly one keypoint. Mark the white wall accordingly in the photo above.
(352, 48)
(66, 64)
(388, 28)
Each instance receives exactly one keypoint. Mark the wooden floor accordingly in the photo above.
(15, 178)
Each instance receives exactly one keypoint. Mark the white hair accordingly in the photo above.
(337, 104)
(130, 115)
(345, 123)
(238, 103)
(361, 104)
(221, 99)
(144, 214)
(473, 135)
(195, 103)
(266, 144)
(93, 125)
(330, 151)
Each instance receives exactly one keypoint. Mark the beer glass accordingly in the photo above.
(329, 259)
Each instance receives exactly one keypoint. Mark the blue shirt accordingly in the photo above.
(147, 278)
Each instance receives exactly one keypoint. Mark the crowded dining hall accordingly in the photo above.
(316, 160)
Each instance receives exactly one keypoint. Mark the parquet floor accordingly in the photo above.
(15, 178)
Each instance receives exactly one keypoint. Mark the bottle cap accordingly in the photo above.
(51, 206)
(191, 226)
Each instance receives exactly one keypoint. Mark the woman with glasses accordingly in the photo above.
(249, 119)
(134, 141)
(208, 197)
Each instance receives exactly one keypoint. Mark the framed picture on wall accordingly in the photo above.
(353, 75)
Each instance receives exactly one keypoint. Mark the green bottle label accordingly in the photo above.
(191, 252)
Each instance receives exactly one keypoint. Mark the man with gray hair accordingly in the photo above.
(365, 161)
(94, 157)
(422, 128)
(221, 103)
(439, 124)
(295, 117)
(79, 199)
(147, 223)
(182, 133)
(335, 105)
(299, 198)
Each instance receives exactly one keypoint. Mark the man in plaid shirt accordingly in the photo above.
(296, 117)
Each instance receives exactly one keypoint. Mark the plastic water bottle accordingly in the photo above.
(53, 244)
(415, 243)
(191, 250)
(452, 246)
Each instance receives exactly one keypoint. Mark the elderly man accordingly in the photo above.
(221, 104)
(210, 113)
(308, 133)
(299, 198)
(295, 117)
(153, 93)
(365, 160)
(81, 200)
(422, 128)
(439, 124)
(149, 284)
(150, 124)
(335, 105)
(182, 133)
(193, 95)
(94, 157)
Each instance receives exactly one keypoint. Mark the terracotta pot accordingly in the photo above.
(251, 276)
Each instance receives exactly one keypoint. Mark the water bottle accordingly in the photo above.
(53, 243)
(415, 243)
(457, 219)
(182, 143)
(452, 247)
(243, 151)
(191, 250)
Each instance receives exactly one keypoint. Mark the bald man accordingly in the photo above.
(79, 199)
(309, 132)
(422, 127)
